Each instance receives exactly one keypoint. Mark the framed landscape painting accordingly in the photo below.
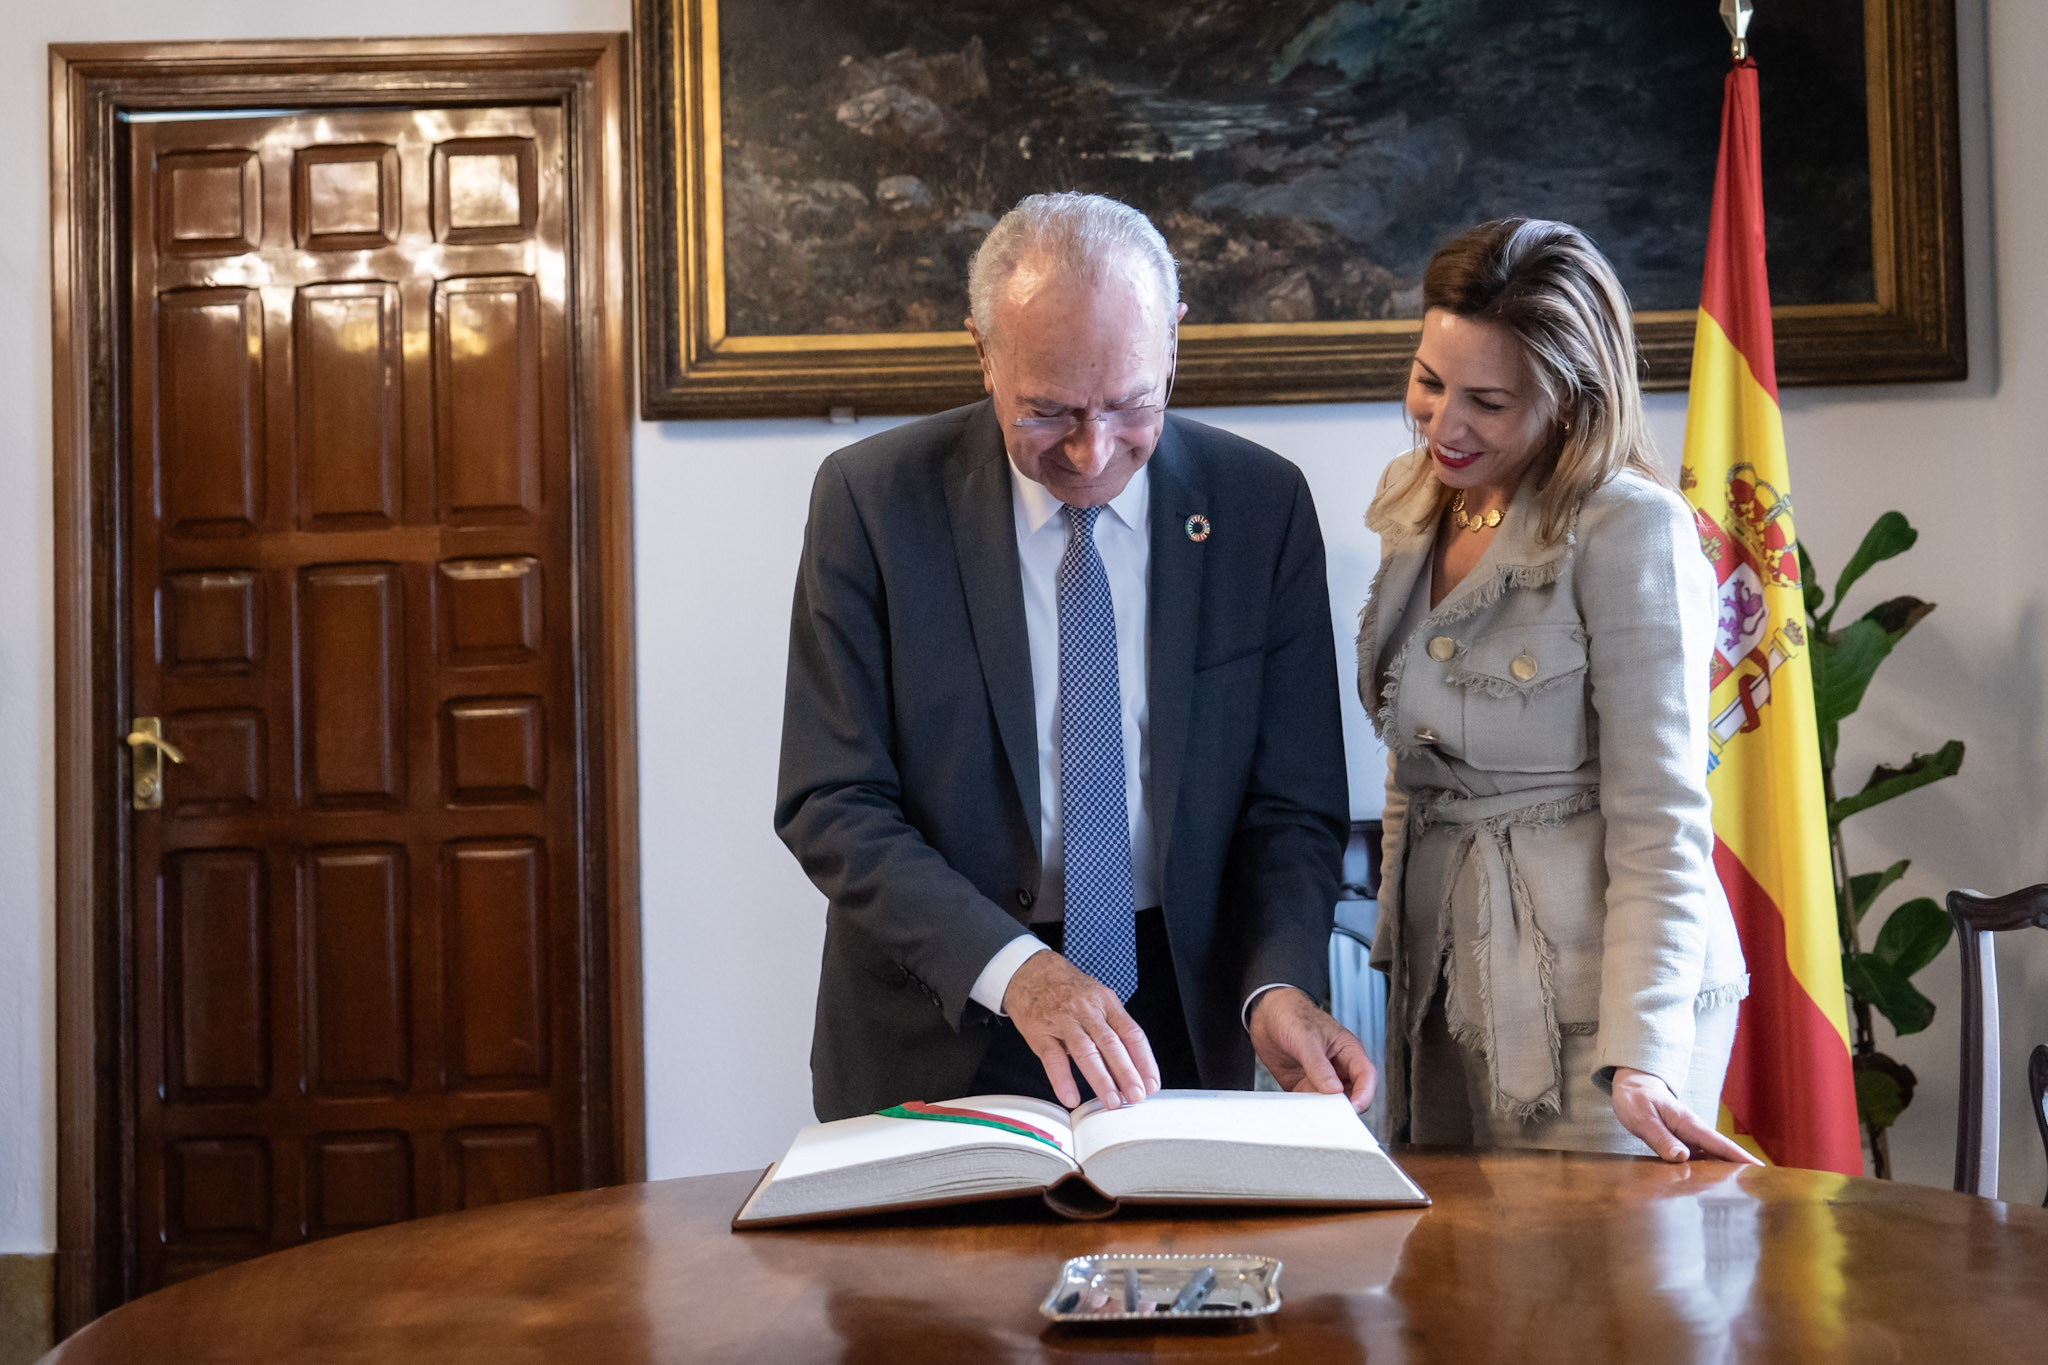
(816, 175)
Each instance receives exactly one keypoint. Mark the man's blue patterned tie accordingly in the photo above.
(1101, 933)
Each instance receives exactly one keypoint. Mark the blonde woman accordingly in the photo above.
(1564, 969)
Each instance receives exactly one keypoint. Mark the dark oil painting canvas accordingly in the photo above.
(1302, 157)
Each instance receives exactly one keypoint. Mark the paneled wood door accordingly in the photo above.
(363, 951)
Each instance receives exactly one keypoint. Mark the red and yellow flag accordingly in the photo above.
(1789, 1091)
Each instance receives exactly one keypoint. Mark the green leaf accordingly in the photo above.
(1913, 935)
(1852, 655)
(1866, 887)
(1886, 783)
(1843, 662)
(1891, 534)
(1820, 652)
(1878, 1099)
(1820, 659)
(1884, 1087)
(1809, 580)
(1878, 983)
(1897, 615)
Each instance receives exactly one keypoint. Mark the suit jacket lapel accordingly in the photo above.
(1174, 611)
(1406, 526)
(1403, 565)
(985, 546)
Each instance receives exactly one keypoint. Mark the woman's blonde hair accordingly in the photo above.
(1549, 285)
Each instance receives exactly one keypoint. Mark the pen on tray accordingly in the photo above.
(1195, 1291)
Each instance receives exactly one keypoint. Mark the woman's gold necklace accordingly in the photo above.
(1468, 521)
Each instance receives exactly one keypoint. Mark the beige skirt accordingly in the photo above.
(1449, 1090)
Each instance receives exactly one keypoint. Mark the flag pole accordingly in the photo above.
(1735, 14)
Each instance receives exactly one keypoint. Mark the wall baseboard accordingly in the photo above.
(28, 1300)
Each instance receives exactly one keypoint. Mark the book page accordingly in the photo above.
(1261, 1117)
(871, 1138)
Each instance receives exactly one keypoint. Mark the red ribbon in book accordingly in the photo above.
(946, 1113)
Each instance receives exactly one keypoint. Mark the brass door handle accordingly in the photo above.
(146, 741)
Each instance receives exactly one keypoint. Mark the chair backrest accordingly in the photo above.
(2037, 1088)
(1977, 917)
(1363, 855)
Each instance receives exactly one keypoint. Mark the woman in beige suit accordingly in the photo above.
(1564, 969)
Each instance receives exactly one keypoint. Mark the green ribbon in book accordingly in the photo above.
(946, 1113)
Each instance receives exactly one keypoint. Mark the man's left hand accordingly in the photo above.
(1307, 1050)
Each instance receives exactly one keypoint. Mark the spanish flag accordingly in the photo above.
(1789, 1093)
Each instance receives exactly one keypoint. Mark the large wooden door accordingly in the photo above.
(367, 984)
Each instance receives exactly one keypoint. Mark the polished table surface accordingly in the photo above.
(1524, 1257)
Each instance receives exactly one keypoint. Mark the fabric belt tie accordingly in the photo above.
(1516, 1026)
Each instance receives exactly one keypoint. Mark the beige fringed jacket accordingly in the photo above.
(1547, 721)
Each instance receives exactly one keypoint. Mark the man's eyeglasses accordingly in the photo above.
(1121, 421)
(1118, 421)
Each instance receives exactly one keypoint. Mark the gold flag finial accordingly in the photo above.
(1735, 14)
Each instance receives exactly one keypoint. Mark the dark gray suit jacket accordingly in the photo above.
(909, 781)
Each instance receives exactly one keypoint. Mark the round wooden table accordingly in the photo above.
(1524, 1257)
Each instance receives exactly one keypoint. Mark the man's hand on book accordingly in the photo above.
(1072, 1020)
(1647, 1108)
(1306, 1049)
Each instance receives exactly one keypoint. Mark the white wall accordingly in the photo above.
(732, 928)
(1968, 464)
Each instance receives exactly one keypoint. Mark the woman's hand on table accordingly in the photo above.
(1647, 1108)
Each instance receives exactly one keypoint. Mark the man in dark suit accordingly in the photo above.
(1061, 676)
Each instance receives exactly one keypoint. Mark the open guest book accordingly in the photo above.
(1178, 1147)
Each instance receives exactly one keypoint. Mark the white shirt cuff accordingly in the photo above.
(995, 977)
(1245, 1015)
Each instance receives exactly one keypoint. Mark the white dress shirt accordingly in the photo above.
(1122, 538)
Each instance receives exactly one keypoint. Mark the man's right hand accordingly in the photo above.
(1069, 1019)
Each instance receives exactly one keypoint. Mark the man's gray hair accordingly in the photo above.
(1077, 235)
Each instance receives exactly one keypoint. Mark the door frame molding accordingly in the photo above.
(91, 86)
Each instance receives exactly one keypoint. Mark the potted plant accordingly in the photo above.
(1878, 978)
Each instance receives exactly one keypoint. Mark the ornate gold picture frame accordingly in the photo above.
(1901, 321)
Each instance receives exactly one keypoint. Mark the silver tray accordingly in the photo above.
(1143, 1286)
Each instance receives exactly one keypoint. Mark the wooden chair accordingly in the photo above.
(2037, 1087)
(1977, 917)
(1358, 994)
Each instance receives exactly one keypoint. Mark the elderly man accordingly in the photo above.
(1060, 741)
